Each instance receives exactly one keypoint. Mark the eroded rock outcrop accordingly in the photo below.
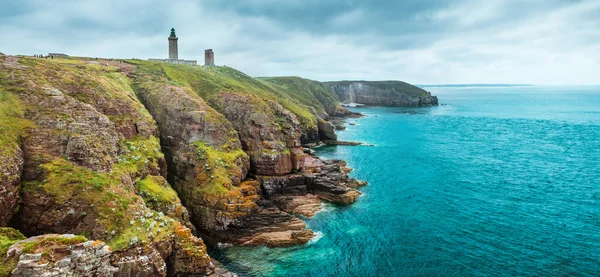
(269, 133)
(207, 165)
(327, 179)
(60, 255)
(326, 130)
(200, 141)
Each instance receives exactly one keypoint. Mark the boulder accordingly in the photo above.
(326, 130)
(60, 255)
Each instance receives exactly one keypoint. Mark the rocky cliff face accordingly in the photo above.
(140, 159)
(60, 255)
(221, 152)
(388, 93)
(90, 163)
(269, 133)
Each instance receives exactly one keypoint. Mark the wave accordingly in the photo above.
(318, 236)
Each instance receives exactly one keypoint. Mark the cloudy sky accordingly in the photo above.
(418, 41)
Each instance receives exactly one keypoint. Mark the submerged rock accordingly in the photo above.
(341, 142)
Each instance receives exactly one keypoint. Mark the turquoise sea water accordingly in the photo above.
(498, 182)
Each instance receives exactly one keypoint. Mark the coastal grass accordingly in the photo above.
(43, 243)
(109, 197)
(308, 92)
(209, 81)
(154, 189)
(12, 122)
(215, 174)
(8, 237)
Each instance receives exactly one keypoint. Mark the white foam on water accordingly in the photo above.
(222, 245)
(318, 236)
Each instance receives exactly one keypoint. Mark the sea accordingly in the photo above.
(495, 181)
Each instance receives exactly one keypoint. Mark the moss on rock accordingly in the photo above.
(8, 237)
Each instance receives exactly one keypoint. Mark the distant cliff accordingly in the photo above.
(382, 93)
(311, 93)
(327, 96)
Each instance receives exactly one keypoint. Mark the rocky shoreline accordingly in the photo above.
(146, 168)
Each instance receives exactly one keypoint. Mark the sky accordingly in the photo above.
(544, 42)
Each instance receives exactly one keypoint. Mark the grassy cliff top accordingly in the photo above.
(209, 81)
(397, 86)
(309, 92)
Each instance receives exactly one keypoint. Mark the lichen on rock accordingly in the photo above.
(59, 255)
(130, 156)
(90, 143)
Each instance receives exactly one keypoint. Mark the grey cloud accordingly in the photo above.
(417, 41)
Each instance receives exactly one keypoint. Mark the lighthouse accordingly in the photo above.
(173, 46)
(174, 52)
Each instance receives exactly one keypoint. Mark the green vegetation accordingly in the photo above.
(216, 172)
(154, 189)
(12, 123)
(149, 226)
(308, 92)
(109, 196)
(397, 86)
(47, 242)
(208, 82)
(110, 199)
(139, 154)
(8, 237)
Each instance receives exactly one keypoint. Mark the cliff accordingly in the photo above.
(315, 94)
(127, 169)
(139, 160)
(326, 97)
(382, 93)
(83, 157)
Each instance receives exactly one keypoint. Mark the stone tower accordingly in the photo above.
(209, 57)
(173, 46)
